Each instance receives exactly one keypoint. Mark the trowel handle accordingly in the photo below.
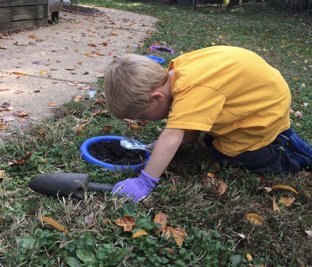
(99, 187)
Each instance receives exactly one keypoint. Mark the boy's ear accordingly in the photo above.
(157, 96)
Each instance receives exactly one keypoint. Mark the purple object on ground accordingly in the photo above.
(162, 49)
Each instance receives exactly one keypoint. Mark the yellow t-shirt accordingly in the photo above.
(232, 94)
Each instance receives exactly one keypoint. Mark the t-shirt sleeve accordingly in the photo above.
(195, 108)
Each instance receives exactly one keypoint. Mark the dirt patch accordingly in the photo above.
(112, 153)
(53, 64)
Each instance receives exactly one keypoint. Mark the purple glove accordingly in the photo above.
(136, 188)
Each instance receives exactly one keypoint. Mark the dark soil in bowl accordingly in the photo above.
(113, 153)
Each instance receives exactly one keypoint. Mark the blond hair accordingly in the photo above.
(129, 80)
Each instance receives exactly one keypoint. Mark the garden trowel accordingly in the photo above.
(66, 184)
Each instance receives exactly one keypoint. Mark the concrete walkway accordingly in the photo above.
(55, 63)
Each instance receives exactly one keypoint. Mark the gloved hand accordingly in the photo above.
(136, 188)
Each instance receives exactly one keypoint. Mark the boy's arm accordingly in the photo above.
(190, 136)
(166, 146)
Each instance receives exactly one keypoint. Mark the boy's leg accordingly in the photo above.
(269, 159)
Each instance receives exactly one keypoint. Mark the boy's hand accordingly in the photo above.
(136, 188)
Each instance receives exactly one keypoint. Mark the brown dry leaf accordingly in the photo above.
(262, 181)
(32, 36)
(139, 233)
(77, 98)
(306, 194)
(72, 83)
(221, 187)
(169, 250)
(87, 54)
(167, 232)
(275, 207)
(100, 101)
(127, 222)
(268, 189)
(1, 220)
(284, 187)
(43, 72)
(135, 127)
(96, 53)
(22, 160)
(287, 200)
(3, 126)
(89, 218)
(54, 224)
(52, 104)
(178, 233)
(1, 174)
(107, 128)
(161, 218)
(254, 218)
(249, 257)
(20, 113)
(19, 73)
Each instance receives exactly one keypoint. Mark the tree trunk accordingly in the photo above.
(297, 5)
(233, 3)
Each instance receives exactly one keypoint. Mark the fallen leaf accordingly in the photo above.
(309, 233)
(20, 113)
(268, 189)
(127, 222)
(19, 73)
(298, 114)
(254, 218)
(5, 119)
(22, 160)
(89, 218)
(32, 36)
(100, 101)
(3, 126)
(1, 174)
(221, 187)
(284, 187)
(52, 104)
(287, 200)
(87, 54)
(161, 218)
(54, 224)
(178, 233)
(135, 127)
(169, 250)
(43, 72)
(249, 257)
(107, 128)
(275, 207)
(139, 233)
(77, 98)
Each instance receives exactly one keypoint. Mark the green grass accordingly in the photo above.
(218, 232)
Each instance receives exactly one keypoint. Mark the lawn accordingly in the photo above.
(220, 230)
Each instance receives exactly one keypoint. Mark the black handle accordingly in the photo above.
(99, 187)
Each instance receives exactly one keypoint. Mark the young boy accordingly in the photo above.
(236, 98)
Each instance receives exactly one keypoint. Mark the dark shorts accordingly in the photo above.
(268, 159)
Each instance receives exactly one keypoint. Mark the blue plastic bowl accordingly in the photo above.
(157, 59)
(84, 150)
